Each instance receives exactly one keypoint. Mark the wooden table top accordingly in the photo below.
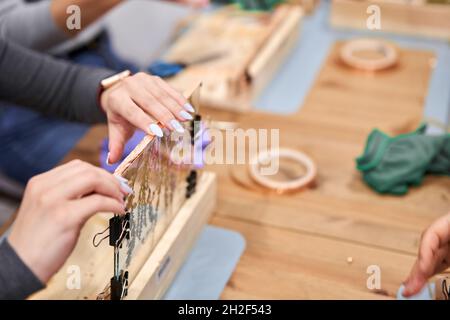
(318, 243)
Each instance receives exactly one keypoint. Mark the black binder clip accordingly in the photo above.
(195, 127)
(119, 228)
(191, 183)
(119, 286)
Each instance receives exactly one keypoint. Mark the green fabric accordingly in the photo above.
(252, 5)
(393, 164)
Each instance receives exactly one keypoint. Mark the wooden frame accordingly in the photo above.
(159, 269)
(416, 18)
(154, 257)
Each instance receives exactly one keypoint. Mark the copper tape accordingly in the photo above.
(388, 51)
(251, 178)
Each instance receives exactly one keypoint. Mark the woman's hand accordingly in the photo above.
(55, 206)
(434, 256)
(141, 101)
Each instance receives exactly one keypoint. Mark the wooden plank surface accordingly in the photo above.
(299, 244)
(417, 18)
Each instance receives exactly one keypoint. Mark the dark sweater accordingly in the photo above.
(17, 281)
(51, 87)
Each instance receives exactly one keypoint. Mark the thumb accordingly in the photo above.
(119, 134)
(415, 281)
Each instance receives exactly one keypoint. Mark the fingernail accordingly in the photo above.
(186, 115)
(107, 160)
(156, 130)
(189, 107)
(177, 126)
(124, 186)
(122, 179)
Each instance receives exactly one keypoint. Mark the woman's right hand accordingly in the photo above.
(55, 206)
(433, 257)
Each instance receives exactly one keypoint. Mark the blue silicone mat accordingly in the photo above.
(208, 267)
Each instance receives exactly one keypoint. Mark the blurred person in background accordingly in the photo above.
(32, 142)
(57, 203)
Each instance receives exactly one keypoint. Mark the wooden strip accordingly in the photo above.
(157, 273)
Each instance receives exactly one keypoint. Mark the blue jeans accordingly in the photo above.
(31, 143)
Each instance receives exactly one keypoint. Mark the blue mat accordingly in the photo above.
(208, 267)
(426, 293)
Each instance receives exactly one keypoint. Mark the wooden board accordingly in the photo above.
(299, 244)
(156, 275)
(416, 18)
(251, 47)
(159, 211)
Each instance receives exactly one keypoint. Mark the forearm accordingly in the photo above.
(29, 24)
(17, 281)
(91, 10)
(43, 24)
(50, 86)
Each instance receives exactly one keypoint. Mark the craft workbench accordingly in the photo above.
(318, 243)
(301, 244)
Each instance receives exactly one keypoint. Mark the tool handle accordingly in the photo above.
(165, 69)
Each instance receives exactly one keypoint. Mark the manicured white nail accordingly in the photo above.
(186, 115)
(122, 179)
(177, 126)
(156, 130)
(189, 107)
(124, 186)
(107, 160)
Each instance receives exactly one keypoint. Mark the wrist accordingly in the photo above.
(31, 258)
(108, 83)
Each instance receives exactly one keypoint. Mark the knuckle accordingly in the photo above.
(89, 174)
(159, 95)
(164, 115)
(115, 95)
(76, 162)
(33, 185)
(45, 200)
(141, 75)
(128, 81)
(156, 78)
(169, 103)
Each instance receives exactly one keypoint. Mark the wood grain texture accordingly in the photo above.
(251, 46)
(299, 243)
(343, 106)
(416, 18)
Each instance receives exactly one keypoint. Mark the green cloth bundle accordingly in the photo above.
(392, 164)
(252, 5)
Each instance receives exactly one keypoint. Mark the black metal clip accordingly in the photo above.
(119, 228)
(195, 127)
(191, 183)
(119, 286)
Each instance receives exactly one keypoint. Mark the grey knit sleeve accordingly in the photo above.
(29, 24)
(50, 86)
(17, 281)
